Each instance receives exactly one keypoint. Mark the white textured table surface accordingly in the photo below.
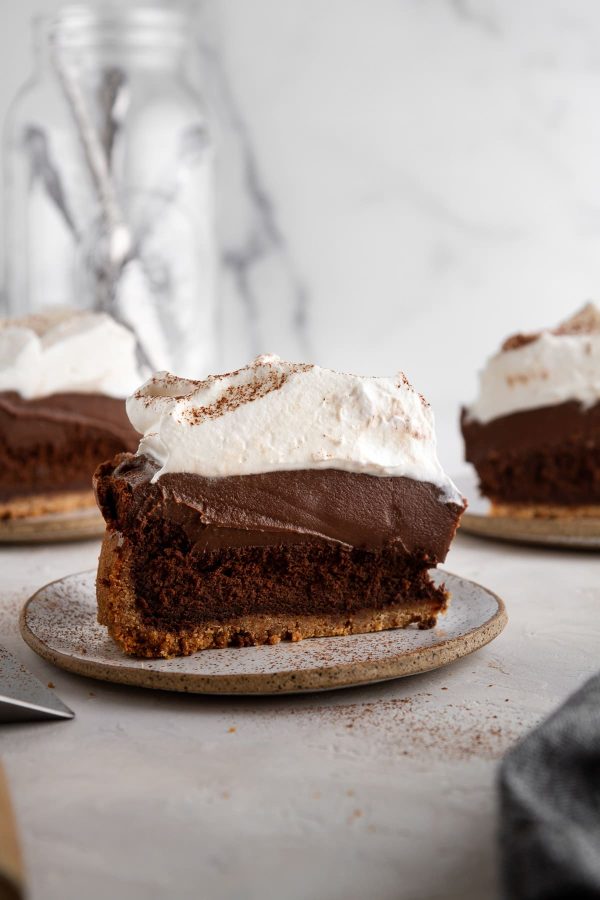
(381, 792)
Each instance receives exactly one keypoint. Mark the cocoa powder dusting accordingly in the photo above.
(402, 381)
(516, 341)
(418, 727)
(263, 382)
(585, 321)
(234, 396)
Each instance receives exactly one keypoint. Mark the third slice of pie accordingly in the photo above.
(533, 433)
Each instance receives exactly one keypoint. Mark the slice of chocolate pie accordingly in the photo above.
(64, 377)
(277, 502)
(533, 433)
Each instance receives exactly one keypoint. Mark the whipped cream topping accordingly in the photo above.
(274, 415)
(543, 369)
(65, 351)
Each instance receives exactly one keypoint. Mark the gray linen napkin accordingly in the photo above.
(550, 805)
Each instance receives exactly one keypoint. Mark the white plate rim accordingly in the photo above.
(341, 675)
(53, 528)
(566, 534)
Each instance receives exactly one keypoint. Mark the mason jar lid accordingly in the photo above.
(77, 26)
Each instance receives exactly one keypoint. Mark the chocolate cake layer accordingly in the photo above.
(53, 444)
(279, 508)
(178, 587)
(546, 455)
(180, 616)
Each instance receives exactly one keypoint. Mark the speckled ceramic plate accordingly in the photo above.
(59, 623)
(574, 534)
(78, 525)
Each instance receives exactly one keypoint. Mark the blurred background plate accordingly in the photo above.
(575, 534)
(59, 623)
(77, 525)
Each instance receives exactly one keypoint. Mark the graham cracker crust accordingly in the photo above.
(45, 504)
(545, 511)
(117, 610)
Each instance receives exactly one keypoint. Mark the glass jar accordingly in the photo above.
(109, 181)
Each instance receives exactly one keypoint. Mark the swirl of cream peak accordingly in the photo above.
(274, 415)
(543, 369)
(63, 351)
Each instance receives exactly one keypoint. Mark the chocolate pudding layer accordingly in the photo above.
(52, 444)
(302, 543)
(278, 508)
(548, 455)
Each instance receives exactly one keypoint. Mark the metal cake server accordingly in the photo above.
(23, 698)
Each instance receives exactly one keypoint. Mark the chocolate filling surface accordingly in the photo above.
(52, 444)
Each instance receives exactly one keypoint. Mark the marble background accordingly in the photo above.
(401, 183)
